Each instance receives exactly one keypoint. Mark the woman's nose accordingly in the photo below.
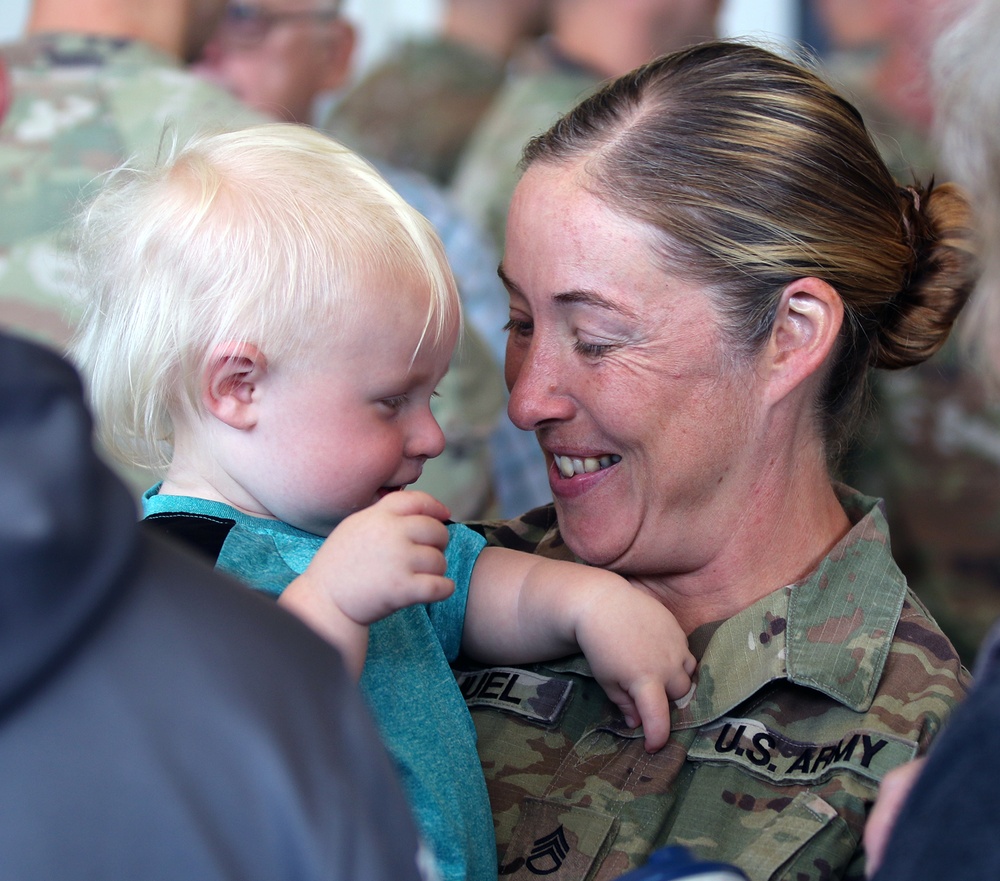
(536, 389)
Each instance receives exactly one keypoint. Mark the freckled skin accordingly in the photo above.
(659, 394)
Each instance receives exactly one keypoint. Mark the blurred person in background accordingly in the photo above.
(92, 83)
(279, 56)
(878, 52)
(939, 818)
(417, 107)
(588, 41)
(931, 442)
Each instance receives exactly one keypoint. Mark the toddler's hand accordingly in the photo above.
(376, 561)
(386, 557)
(639, 654)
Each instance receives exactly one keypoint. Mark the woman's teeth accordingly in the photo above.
(569, 466)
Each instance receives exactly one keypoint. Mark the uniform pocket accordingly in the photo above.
(556, 841)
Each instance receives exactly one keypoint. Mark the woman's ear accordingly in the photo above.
(806, 327)
(232, 378)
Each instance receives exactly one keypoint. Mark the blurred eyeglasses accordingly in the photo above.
(247, 25)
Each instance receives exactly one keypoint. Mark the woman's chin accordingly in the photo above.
(597, 538)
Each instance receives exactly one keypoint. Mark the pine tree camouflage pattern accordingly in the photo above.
(803, 702)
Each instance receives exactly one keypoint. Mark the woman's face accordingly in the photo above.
(619, 368)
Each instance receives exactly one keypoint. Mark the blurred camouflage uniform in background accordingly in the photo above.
(931, 448)
(418, 108)
(904, 148)
(930, 445)
(803, 702)
(80, 105)
(542, 86)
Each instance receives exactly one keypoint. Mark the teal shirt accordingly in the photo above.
(407, 680)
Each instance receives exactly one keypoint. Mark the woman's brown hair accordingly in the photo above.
(755, 173)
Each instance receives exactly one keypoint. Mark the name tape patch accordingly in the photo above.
(530, 695)
(770, 754)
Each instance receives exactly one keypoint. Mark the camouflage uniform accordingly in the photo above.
(931, 444)
(948, 826)
(417, 109)
(81, 104)
(541, 87)
(931, 449)
(803, 701)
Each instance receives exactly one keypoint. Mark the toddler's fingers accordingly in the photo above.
(426, 588)
(427, 560)
(426, 530)
(679, 683)
(414, 501)
(654, 712)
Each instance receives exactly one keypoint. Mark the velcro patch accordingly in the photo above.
(538, 698)
(557, 840)
(770, 754)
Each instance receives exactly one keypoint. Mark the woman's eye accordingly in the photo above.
(517, 327)
(592, 350)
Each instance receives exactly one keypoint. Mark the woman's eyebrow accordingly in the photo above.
(507, 283)
(576, 297)
(593, 299)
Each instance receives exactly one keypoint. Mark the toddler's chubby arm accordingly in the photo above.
(378, 560)
(526, 608)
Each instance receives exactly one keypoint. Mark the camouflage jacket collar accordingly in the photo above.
(831, 631)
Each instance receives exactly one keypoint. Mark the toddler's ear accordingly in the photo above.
(231, 378)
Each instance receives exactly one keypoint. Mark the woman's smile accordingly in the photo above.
(570, 466)
(609, 420)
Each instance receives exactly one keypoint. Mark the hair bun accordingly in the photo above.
(937, 229)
